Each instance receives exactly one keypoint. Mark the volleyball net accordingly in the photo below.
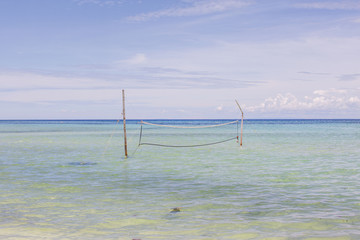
(181, 134)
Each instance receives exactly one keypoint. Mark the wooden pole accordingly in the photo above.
(124, 121)
(242, 121)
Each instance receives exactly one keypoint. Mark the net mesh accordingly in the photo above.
(181, 135)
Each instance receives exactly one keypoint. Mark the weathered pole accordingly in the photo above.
(242, 121)
(124, 121)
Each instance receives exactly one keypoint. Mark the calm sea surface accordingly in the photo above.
(291, 179)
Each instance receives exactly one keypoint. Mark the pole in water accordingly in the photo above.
(124, 121)
(242, 121)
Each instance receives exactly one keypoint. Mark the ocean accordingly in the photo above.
(69, 179)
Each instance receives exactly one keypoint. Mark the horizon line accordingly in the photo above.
(176, 119)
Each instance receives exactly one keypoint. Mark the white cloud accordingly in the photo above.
(61, 95)
(23, 87)
(220, 108)
(331, 5)
(331, 99)
(138, 58)
(26, 80)
(196, 8)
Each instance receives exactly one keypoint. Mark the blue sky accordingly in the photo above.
(70, 59)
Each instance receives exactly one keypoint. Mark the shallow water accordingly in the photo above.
(292, 179)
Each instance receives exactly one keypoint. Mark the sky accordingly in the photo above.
(179, 59)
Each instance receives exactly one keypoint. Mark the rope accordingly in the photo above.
(135, 150)
(109, 140)
(198, 145)
(172, 126)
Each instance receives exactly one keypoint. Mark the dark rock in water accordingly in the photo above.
(175, 210)
(82, 163)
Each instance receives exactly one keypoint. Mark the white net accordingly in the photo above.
(183, 134)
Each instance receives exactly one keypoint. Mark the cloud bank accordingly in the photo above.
(331, 100)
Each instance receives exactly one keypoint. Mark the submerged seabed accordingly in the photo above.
(292, 179)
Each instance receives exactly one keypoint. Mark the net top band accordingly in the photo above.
(174, 126)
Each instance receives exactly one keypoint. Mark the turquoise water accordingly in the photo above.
(291, 179)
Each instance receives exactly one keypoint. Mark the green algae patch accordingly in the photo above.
(275, 238)
(329, 238)
(242, 236)
(171, 233)
(317, 226)
(127, 222)
(29, 233)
